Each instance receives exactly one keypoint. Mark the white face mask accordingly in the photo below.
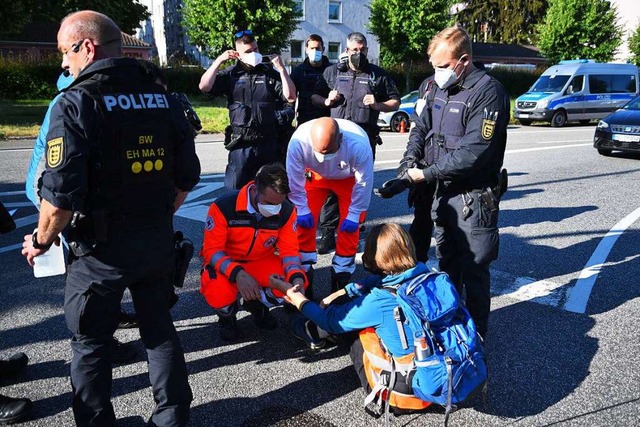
(314, 55)
(445, 77)
(252, 58)
(269, 210)
(324, 157)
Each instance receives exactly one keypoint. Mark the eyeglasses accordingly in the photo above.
(243, 33)
(357, 50)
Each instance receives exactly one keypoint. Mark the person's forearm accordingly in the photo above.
(51, 222)
(387, 106)
(296, 298)
(179, 200)
(319, 101)
(209, 77)
(288, 87)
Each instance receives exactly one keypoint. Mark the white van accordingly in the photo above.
(579, 90)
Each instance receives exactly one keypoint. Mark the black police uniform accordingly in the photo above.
(466, 133)
(354, 85)
(252, 136)
(421, 195)
(305, 76)
(117, 150)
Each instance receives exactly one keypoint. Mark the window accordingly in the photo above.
(334, 51)
(576, 85)
(299, 6)
(335, 11)
(612, 83)
(296, 49)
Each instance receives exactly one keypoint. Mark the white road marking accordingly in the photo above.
(12, 193)
(10, 248)
(527, 150)
(579, 296)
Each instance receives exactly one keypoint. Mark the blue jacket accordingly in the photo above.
(41, 142)
(373, 308)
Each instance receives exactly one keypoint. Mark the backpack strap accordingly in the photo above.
(448, 408)
(397, 315)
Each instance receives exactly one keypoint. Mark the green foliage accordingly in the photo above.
(184, 79)
(634, 46)
(28, 79)
(516, 82)
(503, 21)
(211, 24)
(404, 29)
(580, 29)
(15, 14)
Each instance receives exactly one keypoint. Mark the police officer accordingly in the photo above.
(466, 132)
(306, 75)
(358, 91)
(252, 89)
(120, 159)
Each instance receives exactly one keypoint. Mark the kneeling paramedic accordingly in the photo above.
(250, 234)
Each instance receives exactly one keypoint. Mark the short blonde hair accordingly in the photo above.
(389, 249)
(457, 39)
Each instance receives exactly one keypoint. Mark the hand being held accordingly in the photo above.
(247, 286)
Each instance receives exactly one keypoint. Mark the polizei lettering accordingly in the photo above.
(135, 101)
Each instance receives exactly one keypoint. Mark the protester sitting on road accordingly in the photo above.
(366, 307)
(249, 234)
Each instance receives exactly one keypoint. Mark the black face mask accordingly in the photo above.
(358, 60)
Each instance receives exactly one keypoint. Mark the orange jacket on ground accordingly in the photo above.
(233, 235)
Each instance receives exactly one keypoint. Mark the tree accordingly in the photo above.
(480, 19)
(580, 29)
(517, 20)
(634, 46)
(126, 13)
(211, 24)
(404, 29)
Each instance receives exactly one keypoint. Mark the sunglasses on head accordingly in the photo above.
(243, 33)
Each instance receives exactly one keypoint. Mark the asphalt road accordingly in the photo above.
(563, 342)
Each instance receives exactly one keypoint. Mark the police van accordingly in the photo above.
(579, 90)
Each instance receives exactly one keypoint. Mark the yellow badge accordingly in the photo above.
(488, 126)
(55, 152)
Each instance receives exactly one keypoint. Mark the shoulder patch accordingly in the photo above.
(488, 127)
(55, 152)
(209, 223)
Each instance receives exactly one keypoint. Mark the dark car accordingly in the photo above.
(620, 130)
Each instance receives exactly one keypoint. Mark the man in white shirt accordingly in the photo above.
(330, 155)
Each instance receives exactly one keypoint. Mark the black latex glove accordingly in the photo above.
(406, 163)
(394, 186)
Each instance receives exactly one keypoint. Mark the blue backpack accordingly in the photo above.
(451, 366)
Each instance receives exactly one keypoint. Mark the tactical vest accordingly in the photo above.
(131, 162)
(309, 78)
(354, 87)
(252, 104)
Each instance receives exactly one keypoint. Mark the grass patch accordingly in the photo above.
(22, 118)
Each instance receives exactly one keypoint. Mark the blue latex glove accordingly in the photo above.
(305, 221)
(349, 226)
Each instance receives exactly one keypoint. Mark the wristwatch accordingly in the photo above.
(36, 245)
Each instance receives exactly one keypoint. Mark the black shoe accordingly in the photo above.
(228, 328)
(261, 315)
(14, 410)
(305, 330)
(122, 352)
(339, 280)
(13, 365)
(127, 321)
(327, 242)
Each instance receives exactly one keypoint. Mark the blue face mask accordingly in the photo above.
(314, 55)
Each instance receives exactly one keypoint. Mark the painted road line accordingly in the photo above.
(10, 248)
(564, 142)
(527, 150)
(579, 296)
(12, 193)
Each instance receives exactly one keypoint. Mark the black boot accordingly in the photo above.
(327, 241)
(13, 365)
(228, 327)
(339, 280)
(261, 316)
(122, 353)
(13, 410)
(127, 320)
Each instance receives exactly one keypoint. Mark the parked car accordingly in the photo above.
(394, 119)
(619, 130)
(577, 90)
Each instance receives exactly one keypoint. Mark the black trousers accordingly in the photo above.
(421, 228)
(246, 158)
(465, 249)
(93, 293)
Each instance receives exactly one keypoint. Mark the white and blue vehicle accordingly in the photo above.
(578, 90)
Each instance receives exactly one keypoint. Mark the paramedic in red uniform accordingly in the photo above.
(330, 155)
(242, 231)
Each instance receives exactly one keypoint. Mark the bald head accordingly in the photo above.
(99, 28)
(325, 134)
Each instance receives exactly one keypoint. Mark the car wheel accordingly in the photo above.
(585, 122)
(604, 151)
(396, 121)
(559, 119)
(525, 122)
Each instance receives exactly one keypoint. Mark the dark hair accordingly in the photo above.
(357, 38)
(388, 249)
(272, 175)
(244, 36)
(154, 71)
(314, 38)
